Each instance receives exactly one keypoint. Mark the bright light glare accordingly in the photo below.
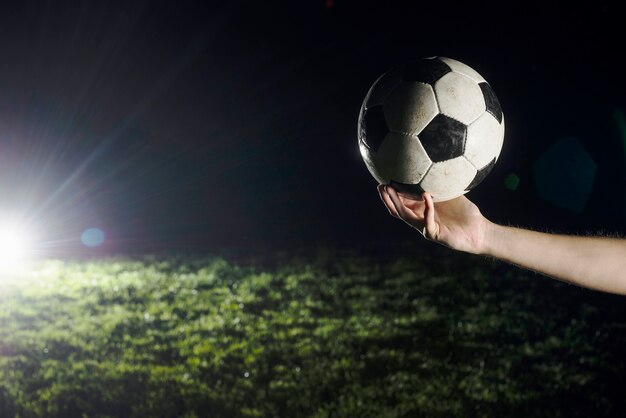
(15, 247)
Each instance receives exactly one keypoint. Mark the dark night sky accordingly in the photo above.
(181, 125)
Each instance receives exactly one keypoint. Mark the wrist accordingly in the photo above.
(487, 243)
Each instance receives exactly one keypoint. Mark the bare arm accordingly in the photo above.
(593, 262)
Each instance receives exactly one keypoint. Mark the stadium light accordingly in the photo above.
(16, 246)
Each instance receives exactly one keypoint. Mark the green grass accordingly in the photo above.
(318, 334)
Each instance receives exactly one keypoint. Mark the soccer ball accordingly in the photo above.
(434, 125)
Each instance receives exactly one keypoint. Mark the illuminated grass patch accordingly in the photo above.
(331, 335)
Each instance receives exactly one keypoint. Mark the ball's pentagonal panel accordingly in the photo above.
(427, 70)
(459, 97)
(484, 140)
(448, 179)
(410, 107)
(443, 138)
(372, 127)
(464, 69)
(481, 174)
(413, 190)
(401, 158)
(491, 101)
(382, 87)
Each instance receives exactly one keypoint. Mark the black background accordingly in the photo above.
(184, 126)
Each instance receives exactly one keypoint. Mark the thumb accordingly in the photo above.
(431, 228)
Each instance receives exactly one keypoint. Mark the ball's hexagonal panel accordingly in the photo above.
(464, 69)
(491, 101)
(443, 138)
(484, 140)
(372, 127)
(410, 107)
(427, 70)
(401, 158)
(448, 179)
(382, 87)
(459, 97)
(480, 175)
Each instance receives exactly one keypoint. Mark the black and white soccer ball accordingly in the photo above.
(434, 125)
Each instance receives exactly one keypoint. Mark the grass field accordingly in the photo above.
(307, 334)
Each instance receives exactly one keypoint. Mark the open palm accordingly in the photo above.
(456, 223)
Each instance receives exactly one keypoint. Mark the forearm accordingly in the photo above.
(593, 262)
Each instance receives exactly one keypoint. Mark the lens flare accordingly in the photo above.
(93, 237)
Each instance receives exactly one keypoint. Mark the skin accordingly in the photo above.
(596, 263)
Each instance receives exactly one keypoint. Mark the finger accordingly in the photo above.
(431, 228)
(404, 212)
(384, 196)
(413, 204)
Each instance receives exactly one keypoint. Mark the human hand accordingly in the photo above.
(455, 223)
